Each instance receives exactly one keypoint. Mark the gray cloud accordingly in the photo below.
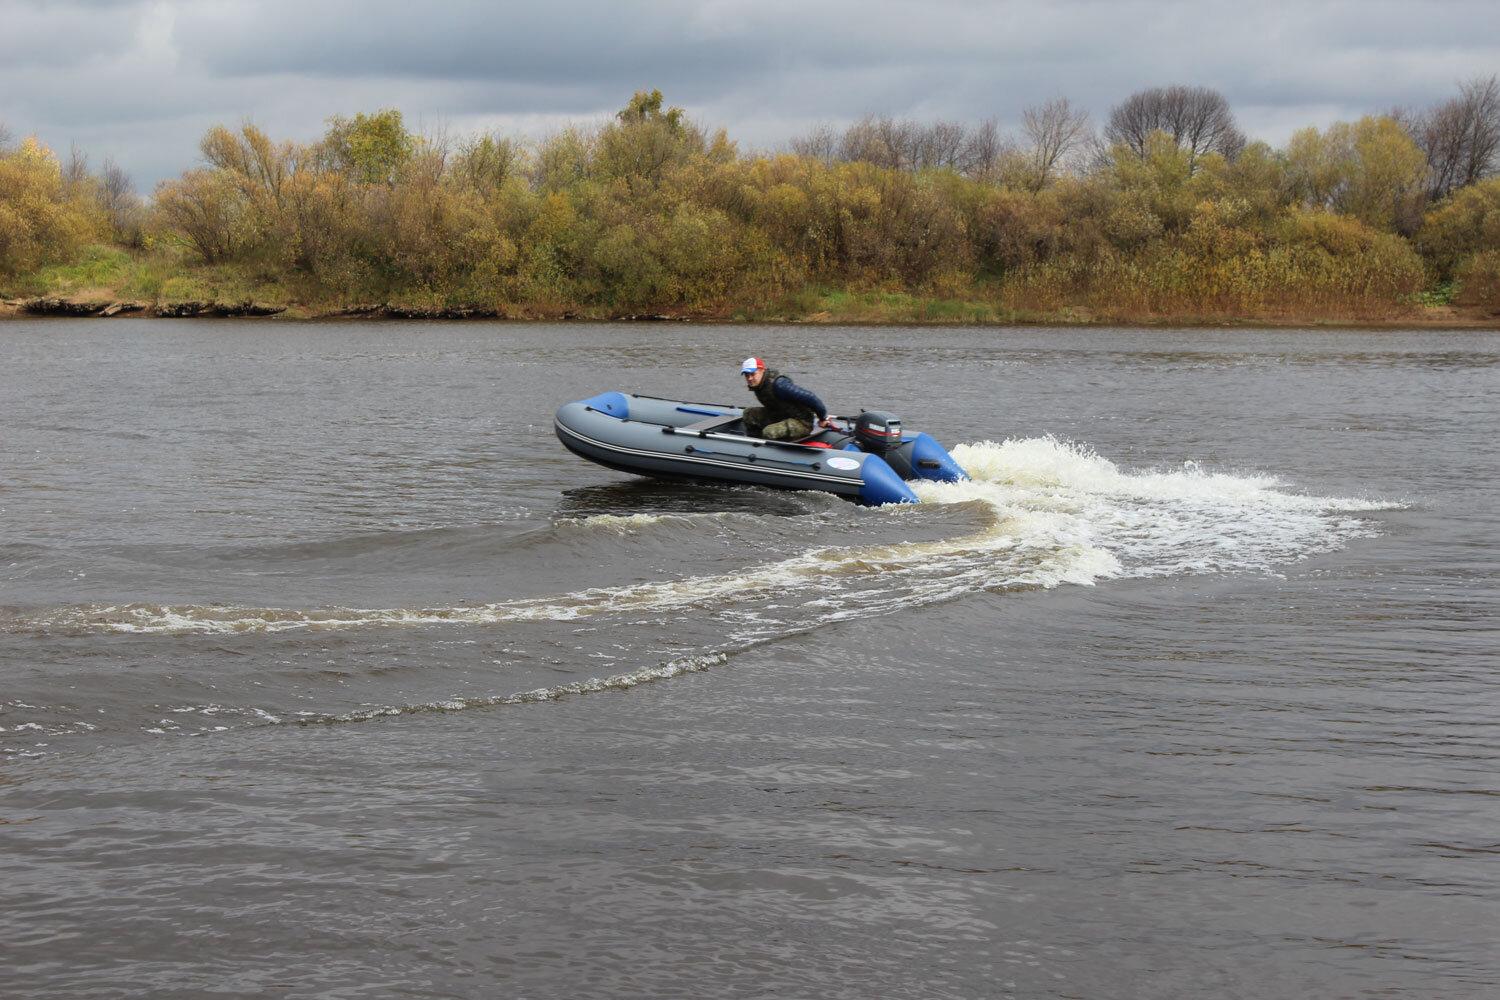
(141, 80)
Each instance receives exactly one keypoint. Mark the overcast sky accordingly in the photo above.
(140, 81)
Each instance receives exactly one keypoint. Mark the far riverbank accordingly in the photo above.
(842, 309)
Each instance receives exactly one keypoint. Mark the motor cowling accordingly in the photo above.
(877, 432)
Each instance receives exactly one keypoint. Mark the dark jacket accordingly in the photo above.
(786, 400)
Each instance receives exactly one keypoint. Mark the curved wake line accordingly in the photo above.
(214, 719)
(1058, 513)
(594, 685)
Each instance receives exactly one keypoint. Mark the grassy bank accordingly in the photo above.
(108, 281)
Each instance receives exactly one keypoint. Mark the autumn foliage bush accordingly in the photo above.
(42, 219)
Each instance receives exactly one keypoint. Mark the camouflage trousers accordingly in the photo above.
(781, 430)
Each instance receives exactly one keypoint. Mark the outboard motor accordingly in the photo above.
(877, 432)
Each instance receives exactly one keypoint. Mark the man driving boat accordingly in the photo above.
(786, 412)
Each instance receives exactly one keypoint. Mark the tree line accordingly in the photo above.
(1168, 208)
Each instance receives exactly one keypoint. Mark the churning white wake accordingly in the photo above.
(1055, 513)
(1168, 522)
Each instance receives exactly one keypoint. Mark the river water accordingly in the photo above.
(325, 671)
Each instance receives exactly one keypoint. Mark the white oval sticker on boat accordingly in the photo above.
(841, 462)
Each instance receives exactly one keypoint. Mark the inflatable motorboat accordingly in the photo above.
(866, 458)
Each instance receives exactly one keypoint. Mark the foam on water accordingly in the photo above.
(1160, 522)
(1056, 513)
(623, 524)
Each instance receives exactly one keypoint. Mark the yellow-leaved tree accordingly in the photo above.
(42, 220)
(1370, 169)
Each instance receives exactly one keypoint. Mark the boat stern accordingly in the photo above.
(930, 460)
(882, 485)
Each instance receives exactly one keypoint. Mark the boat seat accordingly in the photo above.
(712, 423)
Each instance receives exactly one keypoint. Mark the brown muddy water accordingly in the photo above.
(325, 671)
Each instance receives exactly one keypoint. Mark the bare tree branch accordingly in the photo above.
(76, 171)
(901, 144)
(1196, 118)
(116, 195)
(1054, 130)
(983, 150)
(822, 143)
(1461, 136)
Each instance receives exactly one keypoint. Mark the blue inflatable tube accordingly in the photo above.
(930, 460)
(882, 485)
